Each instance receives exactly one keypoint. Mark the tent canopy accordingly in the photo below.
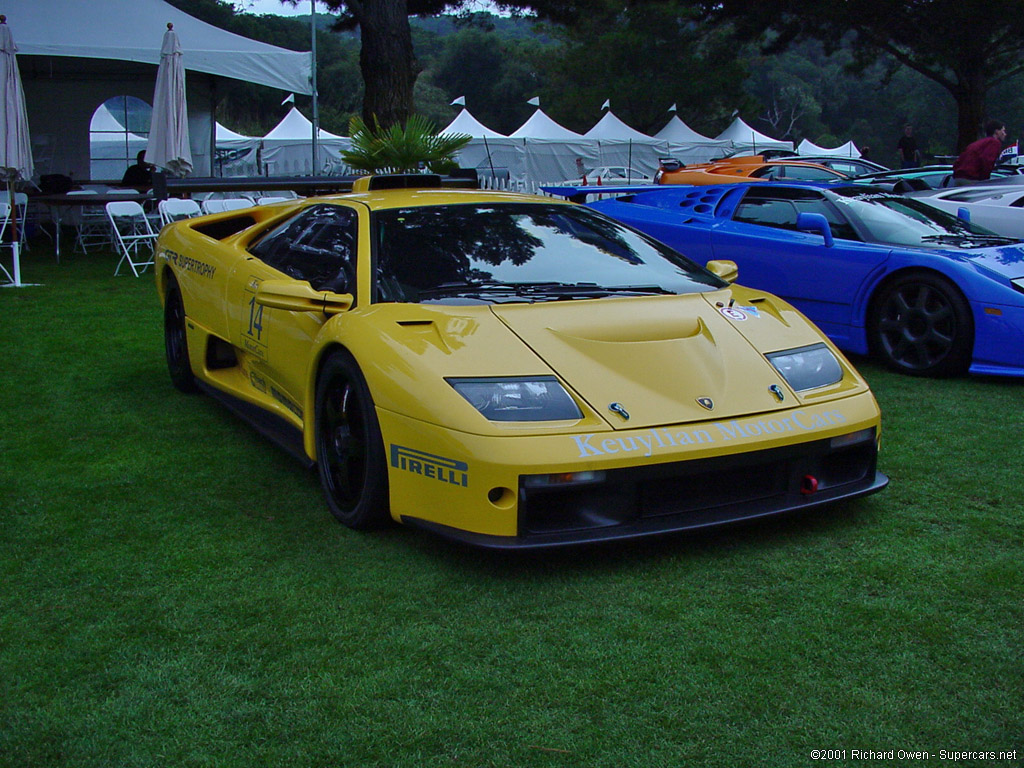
(226, 134)
(744, 137)
(132, 30)
(611, 127)
(678, 131)
(849, 149)
(466, 123)
(540, 126)
(295, 127)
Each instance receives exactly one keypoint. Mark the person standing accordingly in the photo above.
(975, 163)
(910, 155)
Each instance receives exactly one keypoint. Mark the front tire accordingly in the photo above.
(176, 340)
(921, 325)
(349, 447)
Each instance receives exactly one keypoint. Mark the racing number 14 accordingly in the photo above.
(255, 318)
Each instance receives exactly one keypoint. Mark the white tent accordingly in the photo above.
(619, 144)
(75, 55)
(466, 123)
(849, 149)
(132, 30)
(226, 134)
(540, 126)
(236, 155)
(287, 147)
(745, 138)
(611, 127)
(296, 127)
(688, 146)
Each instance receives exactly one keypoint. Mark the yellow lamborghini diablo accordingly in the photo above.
(507, 370)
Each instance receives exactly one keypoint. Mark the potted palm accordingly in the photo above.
(402, 148)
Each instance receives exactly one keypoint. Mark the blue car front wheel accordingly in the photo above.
(921, 325)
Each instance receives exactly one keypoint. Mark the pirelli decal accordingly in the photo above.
(430, 466)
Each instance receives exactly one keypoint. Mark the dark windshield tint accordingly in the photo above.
(521, 252)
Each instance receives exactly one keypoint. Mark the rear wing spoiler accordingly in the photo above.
(580, 194)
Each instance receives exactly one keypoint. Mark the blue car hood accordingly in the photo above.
(1007, 261)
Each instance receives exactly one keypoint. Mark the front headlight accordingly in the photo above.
(807, 367)
(538, 398)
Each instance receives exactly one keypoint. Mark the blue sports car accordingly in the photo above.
(925, 291)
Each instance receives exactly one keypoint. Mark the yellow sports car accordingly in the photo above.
(507, 370)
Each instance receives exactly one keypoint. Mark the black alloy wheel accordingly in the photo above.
(921, 325)
(349, 447)
(176, 340)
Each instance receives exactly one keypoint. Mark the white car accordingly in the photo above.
(999, 208)
(611, 175)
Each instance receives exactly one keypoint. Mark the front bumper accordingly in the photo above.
(483, 490)
(653, 500)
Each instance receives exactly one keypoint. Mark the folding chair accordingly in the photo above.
(175, 209)
(131, 230)
(272, 200)
(19, 211)
(230, 204)
(93, 228)
(5, 215)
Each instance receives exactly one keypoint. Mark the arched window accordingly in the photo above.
(118, 131)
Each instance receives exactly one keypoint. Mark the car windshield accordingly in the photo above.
(516, 252)
(898, 220)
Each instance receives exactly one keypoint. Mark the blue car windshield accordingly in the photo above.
(898, 220)
(521, 252)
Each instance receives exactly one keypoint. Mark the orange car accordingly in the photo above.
(745, 168)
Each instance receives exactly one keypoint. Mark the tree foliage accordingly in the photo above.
(964, 47)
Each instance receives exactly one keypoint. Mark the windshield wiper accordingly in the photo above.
(972, 237)
(538, 290)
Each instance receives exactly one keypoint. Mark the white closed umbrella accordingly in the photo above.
(15, 146)
(168, 133)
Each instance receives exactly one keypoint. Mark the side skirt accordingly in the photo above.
(273, 427)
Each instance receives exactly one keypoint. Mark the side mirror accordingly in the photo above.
(727, 270)
(301, 297)
(815, 222)
(963, 214)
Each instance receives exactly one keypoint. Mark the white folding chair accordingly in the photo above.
(175, 209)
(5, 216)
(19, 213)
(229, 204)
(131, 230)
(272, 200)
(93, 227)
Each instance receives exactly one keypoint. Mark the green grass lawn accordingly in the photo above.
(174, 592)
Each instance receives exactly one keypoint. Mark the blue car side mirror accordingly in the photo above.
(815, 222)
(963, 214)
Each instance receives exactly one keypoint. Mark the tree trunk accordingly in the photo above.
(387, 61)
(970, 106)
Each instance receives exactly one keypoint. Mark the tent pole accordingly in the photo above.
(312, 82)
(490, 162)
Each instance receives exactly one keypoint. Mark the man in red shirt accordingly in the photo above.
(976, 162)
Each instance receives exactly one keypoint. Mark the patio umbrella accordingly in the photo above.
(15, 146)
(168, 134)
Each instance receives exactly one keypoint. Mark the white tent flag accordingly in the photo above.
(168, 133)
(15, 145)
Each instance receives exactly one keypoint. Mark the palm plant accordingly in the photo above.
(401, 148)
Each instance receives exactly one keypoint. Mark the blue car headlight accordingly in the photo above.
(525, 398)
(807, 367)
